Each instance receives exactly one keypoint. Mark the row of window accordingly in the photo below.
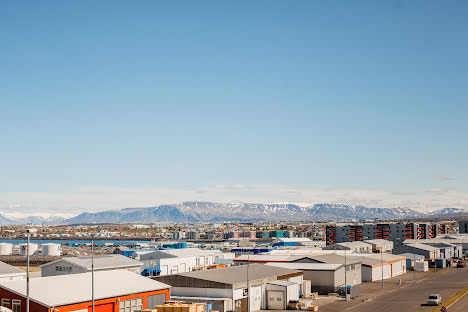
(131, 305)
(63, 269)
(14, 305)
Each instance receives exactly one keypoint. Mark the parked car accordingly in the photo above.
(434, 299)
(461, 264)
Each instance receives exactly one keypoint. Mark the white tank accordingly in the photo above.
(6, 249)
(51, 249)
(23, 248)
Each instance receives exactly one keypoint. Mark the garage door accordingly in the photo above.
(109, 307)
(397, 268)
(275, 300)
(256, 298)
(155, 300)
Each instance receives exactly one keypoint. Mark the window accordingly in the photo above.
(16, 305)
(131, 305)
(6, 303)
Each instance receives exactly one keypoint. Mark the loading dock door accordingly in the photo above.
(276, 300)
(256, 298)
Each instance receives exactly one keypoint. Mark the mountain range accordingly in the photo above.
(216, 212)
(219, 212)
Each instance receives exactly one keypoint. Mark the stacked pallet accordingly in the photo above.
(180, 306)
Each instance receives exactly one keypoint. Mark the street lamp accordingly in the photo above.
(28, 234)
(248, 292)
(92, 271)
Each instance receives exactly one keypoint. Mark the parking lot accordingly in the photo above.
(409, 296)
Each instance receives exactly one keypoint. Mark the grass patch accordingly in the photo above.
(451, 300)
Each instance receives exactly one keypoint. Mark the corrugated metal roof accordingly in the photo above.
(60, 290)
(238, 274)
(100, 262)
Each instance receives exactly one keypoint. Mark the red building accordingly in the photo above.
(114, 291)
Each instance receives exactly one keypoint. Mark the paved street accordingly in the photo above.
(410, 296)
(460, 306)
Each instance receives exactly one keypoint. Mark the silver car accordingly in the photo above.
(434, 299)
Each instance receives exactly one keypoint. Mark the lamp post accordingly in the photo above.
(382, 267)
(92, 272)
(248, 294)
(28, 234)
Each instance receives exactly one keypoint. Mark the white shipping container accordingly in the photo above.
(422, 266)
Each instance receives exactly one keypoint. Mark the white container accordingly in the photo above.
(51, 249)
(23, 248)
(422, 266)
(6, 249)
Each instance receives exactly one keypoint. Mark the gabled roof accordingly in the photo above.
(100, 262)
(6, 269)
(60, 290)
(238, 274)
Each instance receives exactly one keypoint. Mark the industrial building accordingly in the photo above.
(114, 291)
(174, 261)
(356, 246)
(261, 283)
(380, 245)
(353, 269)
(74, 265)
(297, 241)
(325, 277)
(377, 266)
(10, 273)
(417, 248)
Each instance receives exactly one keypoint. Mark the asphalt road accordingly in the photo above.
(409, 296)
(460, 306)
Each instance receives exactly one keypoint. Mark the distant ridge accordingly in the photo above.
(218, 212)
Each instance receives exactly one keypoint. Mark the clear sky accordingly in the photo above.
(112, 104)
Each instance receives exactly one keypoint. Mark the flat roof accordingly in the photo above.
(60, 290)
(100, 262)
(238, 274)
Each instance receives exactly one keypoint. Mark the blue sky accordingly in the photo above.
(116, 104)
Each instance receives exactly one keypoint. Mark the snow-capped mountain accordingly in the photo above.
(38, 219)
(208, 211)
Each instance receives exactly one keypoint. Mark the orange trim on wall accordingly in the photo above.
(37, 307)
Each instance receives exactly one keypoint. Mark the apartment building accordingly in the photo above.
(395, 232)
